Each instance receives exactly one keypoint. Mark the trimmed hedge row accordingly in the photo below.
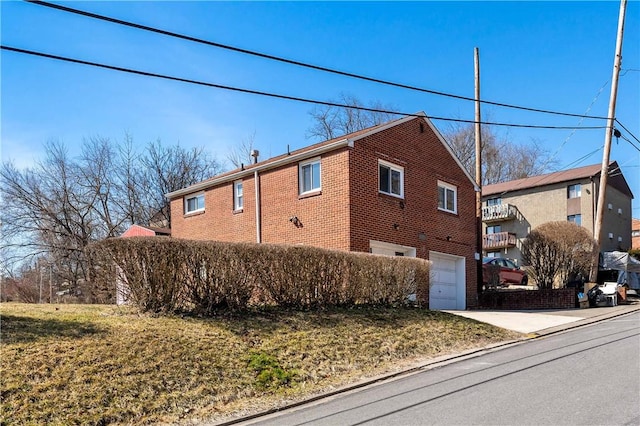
(202, 277)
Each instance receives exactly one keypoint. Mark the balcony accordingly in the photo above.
(499, 240)
(498, 213)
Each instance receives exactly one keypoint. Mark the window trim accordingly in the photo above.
(238, 200)
(196, 195)
(301, 166)
(391, 167)
(454, 189)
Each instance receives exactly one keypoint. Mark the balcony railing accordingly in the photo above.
(498, 240)
(499, 212)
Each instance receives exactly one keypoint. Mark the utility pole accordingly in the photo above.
(597, 230)
(40, 273)
(478, 171)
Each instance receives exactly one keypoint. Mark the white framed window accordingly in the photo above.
(574, 191)
(494, 202)
(390, 179)
(309, 176)
(194, 203)
(238, 197)
(447, 197)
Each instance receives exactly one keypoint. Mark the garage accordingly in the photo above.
(447, 287)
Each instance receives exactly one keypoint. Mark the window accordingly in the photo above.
(575, 218)
(509, 264)
(494, 229)
(391, 179)
(493, 254)
(194, 203)
(238, 199)
(574, 191)
(309, 176)
(494, 202)
(447, 197)
(635, 233)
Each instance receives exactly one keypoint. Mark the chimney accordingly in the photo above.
(254, 154)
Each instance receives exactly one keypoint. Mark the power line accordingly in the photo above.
(294, 62)
(627, 130)
(274, 95)
(574, 130)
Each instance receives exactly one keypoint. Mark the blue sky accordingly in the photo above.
(548, 55)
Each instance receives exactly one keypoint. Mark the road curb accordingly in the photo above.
(583, 322)
(432, 364)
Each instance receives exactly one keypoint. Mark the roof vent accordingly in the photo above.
(254, 154)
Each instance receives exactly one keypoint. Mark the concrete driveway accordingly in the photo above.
(546, 321)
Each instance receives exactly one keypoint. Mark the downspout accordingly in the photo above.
(256, 180)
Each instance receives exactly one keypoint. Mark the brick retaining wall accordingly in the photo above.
(563, 298)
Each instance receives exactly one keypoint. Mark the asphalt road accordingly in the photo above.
(586, 376)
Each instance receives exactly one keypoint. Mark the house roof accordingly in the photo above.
(307, 152)
(145, 231)
(616, 179)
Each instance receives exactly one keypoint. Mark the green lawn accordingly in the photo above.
(90, 364)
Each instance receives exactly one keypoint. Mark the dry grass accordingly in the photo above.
(82, 364)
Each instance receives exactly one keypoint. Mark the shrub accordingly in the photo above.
(559, 250)
(171, 275)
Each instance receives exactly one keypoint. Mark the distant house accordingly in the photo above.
(145, 231)
(393, 189)
(635, 234)
(510, 210)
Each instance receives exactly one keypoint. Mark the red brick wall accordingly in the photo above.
(425, 161)
(324, 217)
(218, 221)
(563, 298)
(635, 241)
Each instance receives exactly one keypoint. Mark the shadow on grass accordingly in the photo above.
(270, 320)
(18, 329)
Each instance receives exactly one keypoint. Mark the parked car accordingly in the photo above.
(509, 272)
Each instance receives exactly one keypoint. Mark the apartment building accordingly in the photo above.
(510, 210)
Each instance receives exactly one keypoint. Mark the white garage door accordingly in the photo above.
(447, 287)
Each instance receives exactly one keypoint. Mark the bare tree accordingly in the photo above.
(168, 169)
(557, 250)
(502, 159)
(330, 122)
(52, 211)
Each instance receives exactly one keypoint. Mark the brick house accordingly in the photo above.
(392, 189)
(510, 210)
(635, 234)
(145, 231)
